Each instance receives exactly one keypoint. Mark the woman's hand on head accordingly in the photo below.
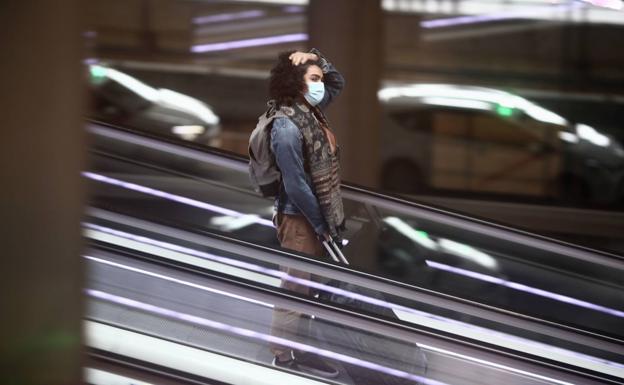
(297, 58)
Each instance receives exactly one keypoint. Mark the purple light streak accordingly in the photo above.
(173, 197)
(257, 335)
(259, 269)
(279, 274)
(293, 9)
(549, 380)
(247, 43)
(175, 280)
(526, 289)
(473, 19)
(186, 250)
(610, 4)
(488, 17)
(228, 17)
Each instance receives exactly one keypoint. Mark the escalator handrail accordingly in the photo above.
(411, 333)
(346, 274)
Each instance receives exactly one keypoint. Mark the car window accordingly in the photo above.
(414, 119)
(111, 93)
(451, 123)
(487, 127)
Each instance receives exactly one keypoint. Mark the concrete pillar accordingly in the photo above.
(42, 151)
(350, 34)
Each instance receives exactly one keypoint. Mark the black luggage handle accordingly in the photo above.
(335, 252)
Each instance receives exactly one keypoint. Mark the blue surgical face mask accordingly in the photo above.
(316, 92)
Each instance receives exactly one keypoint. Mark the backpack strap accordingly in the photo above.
(280, 195)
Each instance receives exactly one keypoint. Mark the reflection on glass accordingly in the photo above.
(240, 325)
(363, 356)
(458, 249)
(122, 99)
(410, 250)
(226, 222)
(525, 288)
(487, 141)
(406, 247)
(353, 297)
(146, 301)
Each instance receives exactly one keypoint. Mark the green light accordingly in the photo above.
(504, 111)
(422, 234)
(98, 71)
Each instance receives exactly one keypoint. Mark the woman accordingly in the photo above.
(309, 206)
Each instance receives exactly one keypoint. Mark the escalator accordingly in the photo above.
(465, 284)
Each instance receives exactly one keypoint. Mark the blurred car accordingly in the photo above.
(444, 137)
(121, 99)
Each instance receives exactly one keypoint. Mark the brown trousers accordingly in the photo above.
(295, 233)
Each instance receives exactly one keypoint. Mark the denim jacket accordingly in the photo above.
(297, 194)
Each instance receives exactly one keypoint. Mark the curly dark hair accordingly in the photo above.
(286, 82)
